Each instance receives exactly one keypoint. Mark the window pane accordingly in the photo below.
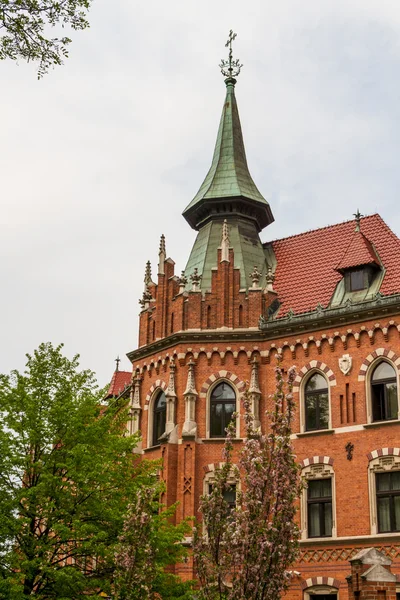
(314, 529)
(326, 488)
(357, 280)
(311, 412)
(216, 424)
(230, 496)
(316, 382)
(229, 410)
(383, 482)
(395, 480)
(328, 518)
(383, 371)
(378, 392)
(397, 513)
(391, 399)
(383, 514)
(223, 391)
(323, 411)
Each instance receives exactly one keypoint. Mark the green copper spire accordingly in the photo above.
(228, 188)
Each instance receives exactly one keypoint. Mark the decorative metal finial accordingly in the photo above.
(117, 360)
(230, 68)
(358, 216)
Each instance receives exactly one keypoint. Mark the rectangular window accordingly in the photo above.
(319, 501)
(388, 501)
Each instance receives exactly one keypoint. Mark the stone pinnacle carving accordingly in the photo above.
(195, 278)
(190, 385)
(225, 242)
(269, 279)
(190, 426)
(162, 255)
(147, 275)
(255, 276)
(182, 281)
(254, 383)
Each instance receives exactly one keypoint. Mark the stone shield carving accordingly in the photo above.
(345, 364)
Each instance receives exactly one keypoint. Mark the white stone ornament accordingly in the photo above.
(345, 364)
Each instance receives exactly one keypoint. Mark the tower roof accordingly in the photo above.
(229, 178)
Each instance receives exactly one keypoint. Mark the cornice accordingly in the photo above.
(292, 324)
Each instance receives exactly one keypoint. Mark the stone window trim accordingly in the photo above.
(206, 390)
(302, 395)
(380, 461)
(156, 388)
(320, 586)
(312, 469)
(210, 475)
(376, 358)
(314, 365)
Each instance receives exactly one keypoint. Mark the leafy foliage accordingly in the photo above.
(244, 553)
(66, 478)
(149, 544)
(24, 27)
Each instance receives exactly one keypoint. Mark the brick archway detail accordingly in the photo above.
(157, 384)
(227, 375)
(316, 364)
(331, 581)
(383, 452)
(316, 460)
(213, 467)
(376, 354)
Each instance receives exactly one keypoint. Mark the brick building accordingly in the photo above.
(327, 301)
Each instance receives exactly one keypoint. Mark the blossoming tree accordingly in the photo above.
(244, 552)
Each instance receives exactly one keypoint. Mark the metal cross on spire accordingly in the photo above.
(358, 216)
(230, 68)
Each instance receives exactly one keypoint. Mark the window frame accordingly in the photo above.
(368, 389)
(387, 494)
(381, 464)
(208, 408)
(322, 501)
(314, 472)
(302, 395)
(150, 412)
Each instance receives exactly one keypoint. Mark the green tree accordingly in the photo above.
(25, 24)
(147, 547)
(67, 476)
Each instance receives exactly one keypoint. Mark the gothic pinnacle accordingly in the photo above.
(162, 255)
(225, 243)
(147, 275)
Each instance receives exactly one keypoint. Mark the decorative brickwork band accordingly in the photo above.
(221, 375)
(320, 581)
(315, 364)
(316, 460)
(376, 354)
(157, 384)
(383, 452)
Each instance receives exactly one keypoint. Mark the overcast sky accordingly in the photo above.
(100, 157)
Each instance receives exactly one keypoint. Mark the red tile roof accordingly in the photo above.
(119, 381)
(305, 275)
(358, 253)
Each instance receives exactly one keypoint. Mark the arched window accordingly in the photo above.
(384, 392)
(316, 403)
(222, 407)
(159, 417)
